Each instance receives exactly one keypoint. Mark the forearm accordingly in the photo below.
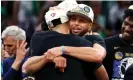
(101, 49)
(33, 64)
(84, 53)
(101, 73)
(16, 64)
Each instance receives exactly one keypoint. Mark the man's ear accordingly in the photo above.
(90, 27)
(91, 24)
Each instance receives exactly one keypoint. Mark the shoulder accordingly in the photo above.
(38, 36)
(93, 37)
(39, 33)
(112, 37)
(7, 63)
(79, 40)
(43, 34)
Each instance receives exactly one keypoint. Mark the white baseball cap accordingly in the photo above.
(131, 7)
(53, 15)
(82, 10)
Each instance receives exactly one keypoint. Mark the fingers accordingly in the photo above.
(24, 47)
(60, 63)
(49, 56)
(62, 69)
(17, 45)
(90, 32)
(27, 50)
(22, 44)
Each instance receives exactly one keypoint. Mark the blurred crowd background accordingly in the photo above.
(29, 14)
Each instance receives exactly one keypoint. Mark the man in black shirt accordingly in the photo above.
(91, 65)
(80, 23)
(49, 39)
(120, 49)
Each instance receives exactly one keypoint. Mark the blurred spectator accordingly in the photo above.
(99, 19)
(116, 14)
(25, 12)
(14, 43)
(120, 48)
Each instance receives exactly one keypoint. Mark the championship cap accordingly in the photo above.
(82, 10)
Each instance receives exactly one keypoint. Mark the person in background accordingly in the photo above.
(14, 43)
(120, 48)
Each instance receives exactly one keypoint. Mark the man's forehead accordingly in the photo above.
(9, 38)
(129, 20)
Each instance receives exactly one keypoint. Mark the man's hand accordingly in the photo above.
(21, 50)
(52, 53)
(20, 54)
(60, 62)
(91, 33)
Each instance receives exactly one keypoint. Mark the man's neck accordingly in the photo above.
(64, 29)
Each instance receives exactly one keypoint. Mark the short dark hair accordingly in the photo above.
(128, 13)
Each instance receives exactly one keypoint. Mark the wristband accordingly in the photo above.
(63, 49)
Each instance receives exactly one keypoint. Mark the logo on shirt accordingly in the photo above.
(118, 55)
(120, 67)
(116, 47)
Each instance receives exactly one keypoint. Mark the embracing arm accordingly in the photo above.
(92, 54)
(33, 64)
(84, 53)
(101, 49)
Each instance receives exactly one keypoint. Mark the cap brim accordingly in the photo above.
(80, 14)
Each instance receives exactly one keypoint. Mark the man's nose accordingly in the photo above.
(76, 22)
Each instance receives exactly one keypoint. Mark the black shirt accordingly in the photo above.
(129, 73)
(119, 57)
(99, 40)
(96, 39)
(76, 69)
